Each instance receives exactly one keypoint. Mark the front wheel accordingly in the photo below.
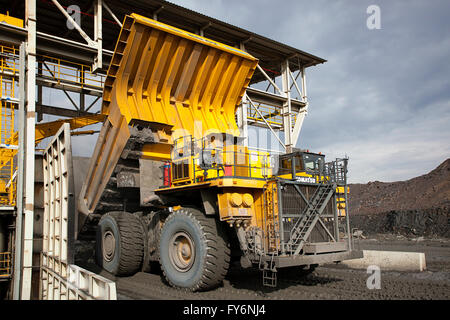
(194, 251)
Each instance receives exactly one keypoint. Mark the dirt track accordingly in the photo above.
(327, 282)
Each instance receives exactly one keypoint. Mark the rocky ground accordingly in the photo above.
(326, 282)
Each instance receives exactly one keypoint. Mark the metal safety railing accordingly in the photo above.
(52, 68)
(197, 160)
(336, 171)
(5, 265)
(271, 113)
(9, 56)
(64, 71)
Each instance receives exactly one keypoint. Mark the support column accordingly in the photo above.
(82, 102)
(30, 23)
(286, 110)
(98, 61)
(40, 115)
(17, 275)
(242, 110)
(82, 95)
(242, 119)
(305, 95)
(303, 112)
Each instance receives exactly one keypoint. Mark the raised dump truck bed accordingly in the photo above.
(168, 83)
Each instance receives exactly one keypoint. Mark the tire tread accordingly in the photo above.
(131, 242)
(217, 246)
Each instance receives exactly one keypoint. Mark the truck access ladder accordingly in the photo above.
(271, 219)
(304, 225)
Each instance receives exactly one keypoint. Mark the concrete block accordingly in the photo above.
(389, 261)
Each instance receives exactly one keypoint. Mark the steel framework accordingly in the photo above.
(74, 61)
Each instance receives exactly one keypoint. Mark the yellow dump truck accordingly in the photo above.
(170, 181)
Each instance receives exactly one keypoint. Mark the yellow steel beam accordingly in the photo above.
(48, 129)
(6, 18)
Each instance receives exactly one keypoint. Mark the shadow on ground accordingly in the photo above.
(251, 279)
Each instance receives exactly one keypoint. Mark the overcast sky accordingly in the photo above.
(383, 97)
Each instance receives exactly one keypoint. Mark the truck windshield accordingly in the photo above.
(312, 161)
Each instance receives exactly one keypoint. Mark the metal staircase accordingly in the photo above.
(304, 225)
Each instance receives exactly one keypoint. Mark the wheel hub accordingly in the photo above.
(109, 245)
(182, 251)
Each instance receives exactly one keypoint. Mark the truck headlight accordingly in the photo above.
(247, 199)
(236, 199)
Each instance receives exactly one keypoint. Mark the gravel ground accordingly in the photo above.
(326, 282)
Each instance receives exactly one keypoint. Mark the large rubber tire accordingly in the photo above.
(120, 243)
(208, 250)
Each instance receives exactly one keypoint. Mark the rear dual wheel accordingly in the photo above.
(120, 243)
(194, 251)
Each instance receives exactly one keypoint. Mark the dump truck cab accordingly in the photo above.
(300, 164)
(171, 181)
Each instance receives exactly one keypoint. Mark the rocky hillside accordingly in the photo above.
(419, 206)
